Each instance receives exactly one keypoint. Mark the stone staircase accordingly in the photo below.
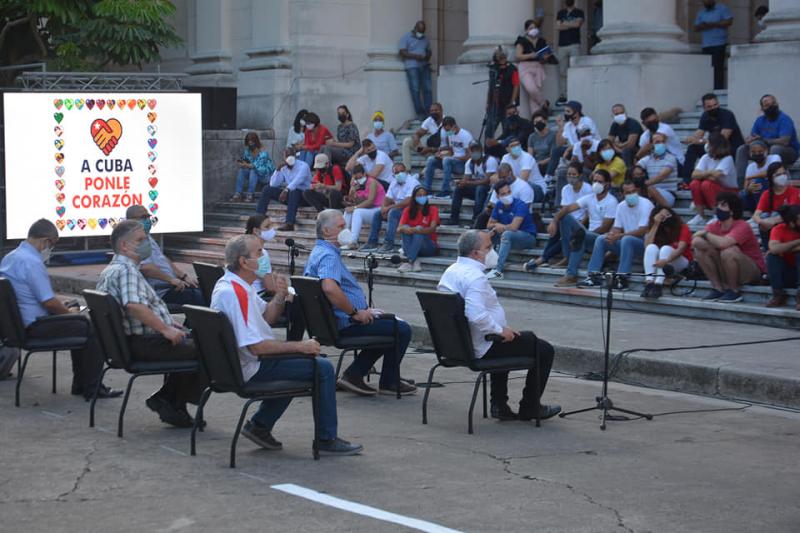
(225, 220)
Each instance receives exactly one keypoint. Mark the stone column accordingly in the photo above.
(387, 88)
(492, 23)
(783, 22)
(212, 55)
(640, 26)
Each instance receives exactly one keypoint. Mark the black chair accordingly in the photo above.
(106, 316)
(207, 276)
(219, 359)
(12, 332)
(449, 328)
(321, 324)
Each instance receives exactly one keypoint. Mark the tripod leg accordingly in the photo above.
(634, 413)
(562, 415)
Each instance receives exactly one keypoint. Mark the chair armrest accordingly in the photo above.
(493, 337)
(387, 316)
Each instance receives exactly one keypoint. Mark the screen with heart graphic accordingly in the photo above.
(81, 159)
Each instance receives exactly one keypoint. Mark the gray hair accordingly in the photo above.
(42, 229)
(468, 242)
(123, 232)
(325, 220)
(237, 248)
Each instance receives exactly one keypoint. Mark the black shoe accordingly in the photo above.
(621, 282)
(655, 293)
(77, 389)
(593, 280)
(648, 290)
(104, 392)
(261, 436)
(545, 412)
(168, 413)
(503, 413)
(338, 446)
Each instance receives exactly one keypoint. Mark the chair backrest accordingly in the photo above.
(448, 325)
(106, 315)
(216, 343)
(207, 276)
(318, 311)
(12, 330)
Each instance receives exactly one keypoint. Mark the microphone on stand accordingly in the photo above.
(291, 244)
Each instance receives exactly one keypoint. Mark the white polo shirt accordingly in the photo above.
(526, 161)
(398, 192)
(381, 159)
(519, 189)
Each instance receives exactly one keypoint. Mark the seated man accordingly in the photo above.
(327, 186)
(486, 317)
(475, 183)
(514, 127)
(727, 251)
(287, 185)
(376, 163)
(511, 225)
(776, 129)
(353, 316)
(519, 190)
(384, 140)
(782, 260)
(39, 308)
(662, 169)
(624, 134)
(431, 129)
(397, 198)
(250, 316)
(626, 238)
(715, 119)
(171, 284)
(601, 207)
(653, 124)
(152, 334)
(450, 158)
(525, 168)
(569, 125)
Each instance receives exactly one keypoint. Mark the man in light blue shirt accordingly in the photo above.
(713, 22)
(46, 317)
(416, 53)
(287, 185)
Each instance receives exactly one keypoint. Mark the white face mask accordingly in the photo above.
(309, 127)
(598, 188)
(533, 33)
(46, 254)
(490, 261)
(302, 122)
(361, 181)
(419, 34)
(507, 199)
(290, 160)
(345, 237)
(780, 180)
(268, 234)
(621, 118)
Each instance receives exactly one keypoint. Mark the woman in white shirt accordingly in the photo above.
(714, 173)
(296, 137)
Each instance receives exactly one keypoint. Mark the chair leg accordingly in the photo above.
(485, 412)
(339, 363)
(474, 397)
(238, 431)
(396, 354)
(54, 372)
(315, 413)
(198, 418)
(94, 395)
(427, 392)
(125, 404)
(20, 372)
(538, 390)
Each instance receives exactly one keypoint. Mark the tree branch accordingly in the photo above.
(11, 24)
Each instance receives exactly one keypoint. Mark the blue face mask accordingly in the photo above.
(421, 200)
(264, 266)
(660, 149)
(632, 199)
(449, 133)
(148, 224)
(516, 151)
(401, 177)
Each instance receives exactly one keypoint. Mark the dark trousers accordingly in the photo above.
(781, 274)
(693, 153)
(294, 199)
(475, 192)
(188, 296)
(180, 387)
(367, 358)
(526, 345)
(717, 54)
(87, 363)
(323, 200)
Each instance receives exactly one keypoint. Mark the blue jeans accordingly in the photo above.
(750, 199)
(307, 156)
(251, 176)
(393, 221)
(367, 358)
(448, 165)
(418, 245)
(477, 192)
(300, 369)
(782, 274)
(420, 77)
(293, 200)
(512, 240)
(538, 193)
(627, 249)
(567, 228)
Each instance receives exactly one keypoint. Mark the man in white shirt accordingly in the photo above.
(375, 162)
(525, 168)
(397, 198)
(286, 185)
(383, 139)
(626, 238)
(487, 317)
(653, 124)
(475, 183)
(451, 157)
(431, 129)
(249, 315)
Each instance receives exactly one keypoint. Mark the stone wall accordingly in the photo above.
(221, 149)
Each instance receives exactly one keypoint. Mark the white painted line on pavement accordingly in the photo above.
(173, 450)
(54, 415)
(363, 510)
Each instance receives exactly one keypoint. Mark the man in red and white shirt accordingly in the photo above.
(327, 185)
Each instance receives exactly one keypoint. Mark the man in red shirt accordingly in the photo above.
(782, 259)
(727, 250)
(327, 186)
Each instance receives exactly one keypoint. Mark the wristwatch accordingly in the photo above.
(353, 313)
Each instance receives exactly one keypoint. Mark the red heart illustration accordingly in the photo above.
(101, 104)
(153, 182)
(131, 103)
(151, 103)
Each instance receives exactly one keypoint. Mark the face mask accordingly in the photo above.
(435, 117)
(144, 250)
(632, 199)
(706, 147)
(506, 199)
(373, 154)
(290, 161)
(302, 122)
(449, 133)
(598, 188)
(780, 180)
(345, 237)
(490, 261)
(758, 158)
(401, 177)
(421, 200)
(46, 254)
(342, 118)
(310, 127)
(476, 156)
(620, 119)
(264, 266)
(540, 126)
(652, 126)
(378, 124)
(572, 180)
(567, 117)
(516, 151)
(361, 181)
(268, 234)
(722, 216)
(148, 224)
(607, 155)
(772, 112)
(419, 35)
(533, 33)
(660, 149)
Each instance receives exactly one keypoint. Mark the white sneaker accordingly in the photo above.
(416, 266)
(698, 220)
(405, 267)
(494, 274)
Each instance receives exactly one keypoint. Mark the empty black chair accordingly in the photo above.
(13, 335)
(321, 324)
(106, 316)
(219, 359)
(207, 277)
(449, 328)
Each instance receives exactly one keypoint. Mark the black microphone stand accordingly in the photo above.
(370, 264)
(604, 403)
(293, 252)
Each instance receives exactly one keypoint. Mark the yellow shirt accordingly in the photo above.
(615, 165)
